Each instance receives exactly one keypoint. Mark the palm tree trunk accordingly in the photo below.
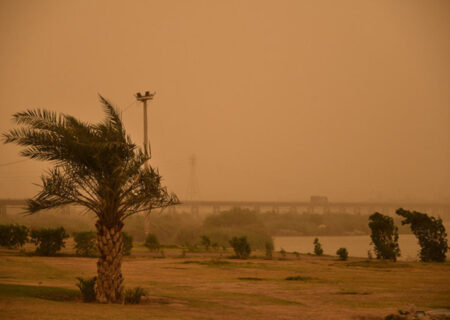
(109, 280)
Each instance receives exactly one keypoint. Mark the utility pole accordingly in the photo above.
(144, 98)
(147, 149)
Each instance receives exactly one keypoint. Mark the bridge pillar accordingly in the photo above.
(2, 211)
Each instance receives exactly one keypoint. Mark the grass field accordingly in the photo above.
(208, 286)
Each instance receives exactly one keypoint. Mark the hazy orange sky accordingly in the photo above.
(278, 100)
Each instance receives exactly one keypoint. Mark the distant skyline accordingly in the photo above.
(278, 100)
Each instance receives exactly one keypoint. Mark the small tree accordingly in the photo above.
(127, 243)
(85, 243)
(241, 247)
(48, 241)
(318, 251)
(206, 242)
(269, 249)
(152, 242)
(342, 253)
(384, 236)
(13, 235)
(430, 232)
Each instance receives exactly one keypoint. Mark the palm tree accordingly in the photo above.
(95, 166)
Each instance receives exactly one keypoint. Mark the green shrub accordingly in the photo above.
(241, 247)
(342, 253)
(318, 251)
(430, 232)
(127, 242)
(87, 288)
(85, 243)
(152, 242)
(133, 296)
(384, 236)
(13, 235)
(269, 249)
(48, 241)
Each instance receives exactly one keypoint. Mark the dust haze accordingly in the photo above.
(278, 100)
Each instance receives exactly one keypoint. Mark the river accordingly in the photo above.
(357, 246)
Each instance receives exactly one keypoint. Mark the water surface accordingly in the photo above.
(357, 246)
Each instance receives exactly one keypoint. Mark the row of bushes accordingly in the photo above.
(49, 241)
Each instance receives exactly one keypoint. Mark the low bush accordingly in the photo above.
(342, 253)
(133, 296)
(48, 241)
(87, 288)
(241, 247)
(152, 243)
(283, 253)
(318, 251)
(127, 242)
(13, 235)
(85, 243)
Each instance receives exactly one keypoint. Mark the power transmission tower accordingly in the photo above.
(193, 190)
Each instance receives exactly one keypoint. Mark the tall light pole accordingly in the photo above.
(148, 151)
(144, 98)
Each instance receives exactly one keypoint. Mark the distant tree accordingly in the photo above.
(13, 235)
(342, 253)
(85, 243)
(95, 166)
(205, 242)
(318, 251)
(127, 244)
(384, 236)
(430, 232)
(48, 241)
(241, 247)
(269, 249)
(152, 242)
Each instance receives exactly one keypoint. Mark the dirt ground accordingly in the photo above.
(213, 286)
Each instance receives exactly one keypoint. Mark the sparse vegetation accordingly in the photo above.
(241, 247)
(384, 235)
(133, 296)
(48, 241)
(430, 232)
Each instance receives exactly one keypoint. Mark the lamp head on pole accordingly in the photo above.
(145, 97)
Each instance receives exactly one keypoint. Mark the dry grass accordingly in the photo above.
(205, 287)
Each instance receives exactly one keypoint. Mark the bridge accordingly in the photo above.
(204, 207)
